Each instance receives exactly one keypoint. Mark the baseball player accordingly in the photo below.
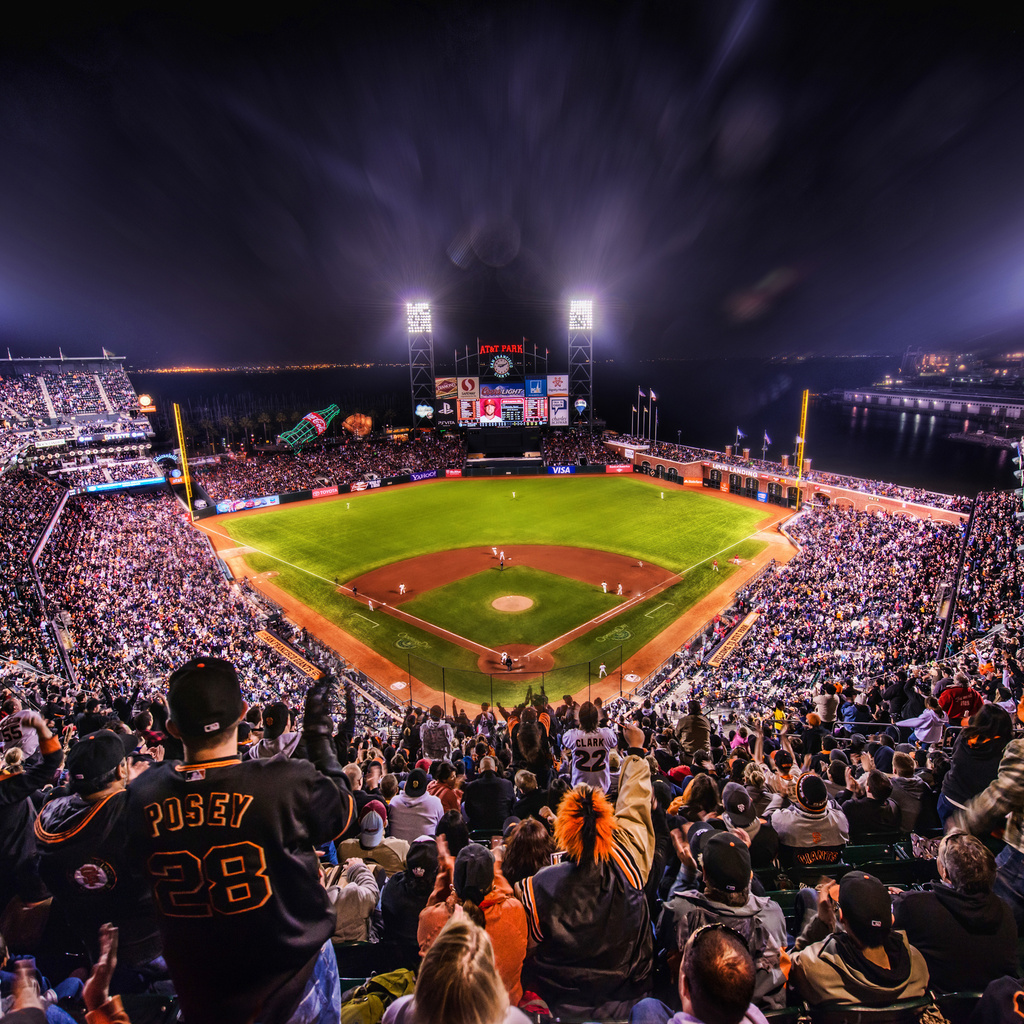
(229, 850)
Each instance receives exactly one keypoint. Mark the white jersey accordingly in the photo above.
(14, 733)
(589, 751)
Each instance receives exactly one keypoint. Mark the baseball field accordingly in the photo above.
(594, 568)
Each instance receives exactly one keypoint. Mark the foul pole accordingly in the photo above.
(184, 460)
(800, 439)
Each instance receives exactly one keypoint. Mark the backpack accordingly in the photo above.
(434, 738)
(366, 1003)
(764, 949)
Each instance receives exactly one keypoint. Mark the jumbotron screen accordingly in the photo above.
(533, 401)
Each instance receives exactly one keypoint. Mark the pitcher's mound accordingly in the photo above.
(512, 603)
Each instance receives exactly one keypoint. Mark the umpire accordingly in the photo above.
(229, 848)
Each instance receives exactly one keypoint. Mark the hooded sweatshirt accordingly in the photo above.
(966, 940)
(836, 971)
(760, 920)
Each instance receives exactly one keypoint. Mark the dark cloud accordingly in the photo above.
(746, 176)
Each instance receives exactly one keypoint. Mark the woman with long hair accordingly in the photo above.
(458, 982)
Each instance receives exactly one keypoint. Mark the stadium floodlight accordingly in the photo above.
(418, 314)
(581, 315)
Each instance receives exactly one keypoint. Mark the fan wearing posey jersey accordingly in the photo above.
(229, 849)
(590, 748)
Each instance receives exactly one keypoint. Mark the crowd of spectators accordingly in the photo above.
(317, 466)
(23, 396)
(107, 470)
(573, 853)
(914, 495)
(577, 448)
(119, 390)
(73, 393)
(860, 598)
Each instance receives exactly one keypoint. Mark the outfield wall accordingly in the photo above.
(270, 500)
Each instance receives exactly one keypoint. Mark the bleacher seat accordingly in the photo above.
(906, 1011)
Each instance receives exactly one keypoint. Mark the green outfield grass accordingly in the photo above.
(559, 605)
(311, 545)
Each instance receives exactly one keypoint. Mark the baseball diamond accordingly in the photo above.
(419, 584)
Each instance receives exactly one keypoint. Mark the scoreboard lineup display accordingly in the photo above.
(502, 395)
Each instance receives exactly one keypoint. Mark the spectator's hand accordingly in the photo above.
(445, 860)
(867, 762)
(317, 710)
(136, 768)
(826, 908)
(633, 735)
(352, 862)
(97, 988)
(25, 988)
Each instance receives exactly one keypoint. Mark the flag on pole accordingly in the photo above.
(767, 439)
(654, 397)
(739, 433)
(634, 408)
(641, 392)
(799, 439)
(107, 354)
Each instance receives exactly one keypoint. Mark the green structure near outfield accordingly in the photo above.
(312, 545)
(310, 427)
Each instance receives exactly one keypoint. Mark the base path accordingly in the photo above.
(430, 571)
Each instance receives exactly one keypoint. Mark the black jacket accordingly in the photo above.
(967, 941)
(84, 862)
(488, 801)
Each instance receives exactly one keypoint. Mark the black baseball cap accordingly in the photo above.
(275, 720)
(700, 832)
(416, 784)
(727, 862)
(739, 808)
(811, 793)
(866, 906)
(204, 697)
(473, 875)
(96, 754)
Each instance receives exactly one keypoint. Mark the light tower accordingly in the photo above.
(421, 358)
(581, 360)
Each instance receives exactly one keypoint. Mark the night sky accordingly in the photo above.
(725, 176)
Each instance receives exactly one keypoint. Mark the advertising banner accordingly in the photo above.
(495, 389)
(562, 470)
(558, 384)
(424, 411)
(325, 492)
(307, 668)
(446, 387)
(446, 414)
(120, 485)
(469, 387)
(558, 410)
(241, 504)
(450, 473)
(430, 474)
(536, 387)
(629, 453)
(619, 469)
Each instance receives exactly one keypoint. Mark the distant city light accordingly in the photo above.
(419, 317)
(581, 315)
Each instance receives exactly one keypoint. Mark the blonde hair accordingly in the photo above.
(754, 775)
(458, 982)
(13, 758)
